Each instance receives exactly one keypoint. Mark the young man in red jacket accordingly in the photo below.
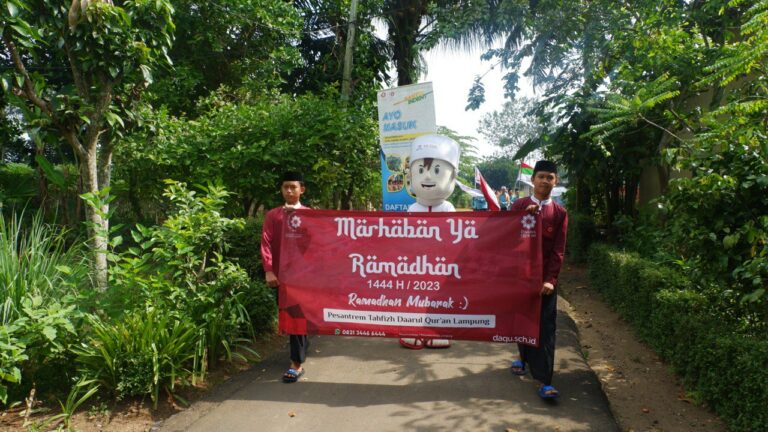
(554, 220)
(291, 187)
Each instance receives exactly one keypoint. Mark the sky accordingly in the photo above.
(452, 73)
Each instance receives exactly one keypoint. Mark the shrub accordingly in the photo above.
(141, 353)
(245, 246)
(40, 277)
(245, 250)
(11, 356)
(18, 185)
(720, 362)
(180, 267)
(261, 304)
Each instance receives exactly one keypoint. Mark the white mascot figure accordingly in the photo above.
(433, 168)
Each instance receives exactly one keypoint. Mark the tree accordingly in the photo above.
(499, 171)
(234, 43)
(322, 43)
(246, 145)
(512, 127)
(415, 25)
(108, 51)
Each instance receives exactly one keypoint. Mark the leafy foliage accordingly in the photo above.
(232, 43)
(512, 127)
(248, 145)
(141, 354)
(39, 287)
(687, 326)
(179, 267)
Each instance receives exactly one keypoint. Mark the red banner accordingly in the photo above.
(463, 275)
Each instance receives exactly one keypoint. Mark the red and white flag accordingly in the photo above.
(490, 196)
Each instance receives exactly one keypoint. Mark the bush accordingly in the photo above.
(721, 364)
(245, 251)
(40, 279)
(141, 353)
(18, 185)
(261, 304)
(180, 267)
(245, 247)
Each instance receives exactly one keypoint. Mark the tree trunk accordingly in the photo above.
(253, 205)
(346, 197)
(404, 21)
(583, 196)
(98, 227)
(42, 184)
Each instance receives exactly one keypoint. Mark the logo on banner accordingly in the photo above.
(529, 223)
(294, 222)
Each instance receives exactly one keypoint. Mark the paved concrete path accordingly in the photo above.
(361, 384)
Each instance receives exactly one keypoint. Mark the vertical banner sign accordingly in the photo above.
(404, 113)
(472, 276)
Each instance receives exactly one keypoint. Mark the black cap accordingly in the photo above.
(544, 165)
(292, 176)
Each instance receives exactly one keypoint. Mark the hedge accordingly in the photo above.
(725, 369)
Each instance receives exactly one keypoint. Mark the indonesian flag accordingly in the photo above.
(525, 173)
(526, 170)
(490, 196)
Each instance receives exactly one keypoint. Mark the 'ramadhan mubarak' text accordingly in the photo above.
(401, 228)
(370, 265)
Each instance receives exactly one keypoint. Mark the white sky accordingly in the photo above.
(452, 73)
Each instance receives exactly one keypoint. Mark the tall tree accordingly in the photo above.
(406, 29)
(234, 43)
(108, 50)
(321, 46)
(511, 127)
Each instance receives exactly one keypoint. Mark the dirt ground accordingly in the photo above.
(643, 392)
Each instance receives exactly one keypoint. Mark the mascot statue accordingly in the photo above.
(434, 163)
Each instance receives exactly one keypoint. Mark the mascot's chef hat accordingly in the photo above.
(437, 147)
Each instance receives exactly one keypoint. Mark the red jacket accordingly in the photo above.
(271, 233)
(554, 219)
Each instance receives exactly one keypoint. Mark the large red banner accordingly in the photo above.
(471, 276)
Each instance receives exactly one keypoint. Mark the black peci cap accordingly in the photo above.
(292, 176)
(544, 165)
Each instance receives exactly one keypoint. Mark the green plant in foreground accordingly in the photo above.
(141, 354)
(40, 281)
(36, 261)
(11, 356)
(80, 392)
(180, 267)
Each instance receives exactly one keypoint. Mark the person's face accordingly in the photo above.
(543, 182)
(432, 183)
(291, 191)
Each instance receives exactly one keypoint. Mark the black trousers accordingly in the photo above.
(299, 347)
(541, 360)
